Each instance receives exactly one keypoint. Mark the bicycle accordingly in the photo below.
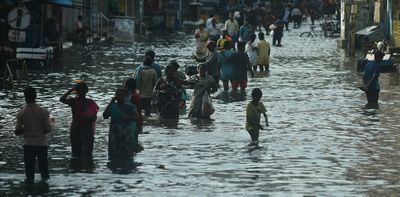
(310, 33)
(330, 29)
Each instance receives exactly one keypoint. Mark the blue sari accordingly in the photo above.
(121, 138)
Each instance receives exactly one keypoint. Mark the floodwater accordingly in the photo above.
(321, 141)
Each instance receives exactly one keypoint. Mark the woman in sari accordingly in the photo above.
(168, 94)
(84, 115)
(203, 84)
(121, 138)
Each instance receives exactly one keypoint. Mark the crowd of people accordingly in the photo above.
(228, 55)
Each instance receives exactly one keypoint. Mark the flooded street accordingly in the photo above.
(321, 141)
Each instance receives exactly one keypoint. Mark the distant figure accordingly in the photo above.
(201, 36)
(251, 51)
(123, 128)
(213, 31)
(133, 97)
(167, 91)
(182, 79)
(264, 52)
(34, 124)
(286, 16)
(221, 41)
(296, 16)
(241, 66)
(201, 103)
(232, 28)
(154, 65)
(371, 80)
(278, 33)
(253, 115)
(245, 31)
(79, 29)
(213, 65)
(146, 79)
(313, 15)
(209, 20)
(84, 115)
(226, 66)
(259, 12)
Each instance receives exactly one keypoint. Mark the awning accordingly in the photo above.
(66, 3)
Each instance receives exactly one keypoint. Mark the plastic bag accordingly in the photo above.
(272, 33)
(206, 106)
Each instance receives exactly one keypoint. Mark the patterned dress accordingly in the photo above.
(121, 138)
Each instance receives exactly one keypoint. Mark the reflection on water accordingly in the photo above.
(321, 141)
(122, 165)
(77, 164)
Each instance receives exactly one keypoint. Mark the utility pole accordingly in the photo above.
(140, 17)
(180, 14)
(352, 30)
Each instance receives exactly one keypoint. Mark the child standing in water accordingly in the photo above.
(253, 114)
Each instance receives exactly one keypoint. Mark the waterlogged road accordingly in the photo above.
(320, 141)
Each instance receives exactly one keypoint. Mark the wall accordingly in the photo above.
(396, 24)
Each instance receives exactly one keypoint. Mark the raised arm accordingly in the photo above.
(64, 97)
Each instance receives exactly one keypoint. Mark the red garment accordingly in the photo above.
(136, 101)
(84, 114)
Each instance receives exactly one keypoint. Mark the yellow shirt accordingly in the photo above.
(253, 115)
(263, 52)
(220, 43)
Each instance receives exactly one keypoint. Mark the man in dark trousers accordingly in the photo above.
(33, 124)
(371, 82)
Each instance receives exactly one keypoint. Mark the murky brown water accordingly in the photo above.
(320, 141)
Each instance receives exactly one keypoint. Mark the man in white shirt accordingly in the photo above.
(232, 27)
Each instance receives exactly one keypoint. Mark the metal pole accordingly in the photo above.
(126, 7)
(353, 26)
(140, 16)
(180, 14)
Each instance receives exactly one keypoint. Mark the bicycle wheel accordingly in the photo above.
(306, 33)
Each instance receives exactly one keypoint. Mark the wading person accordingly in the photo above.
(278, 33)
(226, 66)
(121, 137)
(222, 40)
(232, 28)
(133, 97)
(245, 31)
(264, 50)
(167, 91)
(241, 64)
(33, 124)
(182, 91)
(253, 115)
(251, 51)
(213, 65)
(84, 115)
(371, 80)
(155, 66)
(146, 79)
(201, 104)
(201, 36)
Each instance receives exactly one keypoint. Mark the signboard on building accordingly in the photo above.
(377, 13)
(124, 30)
(16, 36)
